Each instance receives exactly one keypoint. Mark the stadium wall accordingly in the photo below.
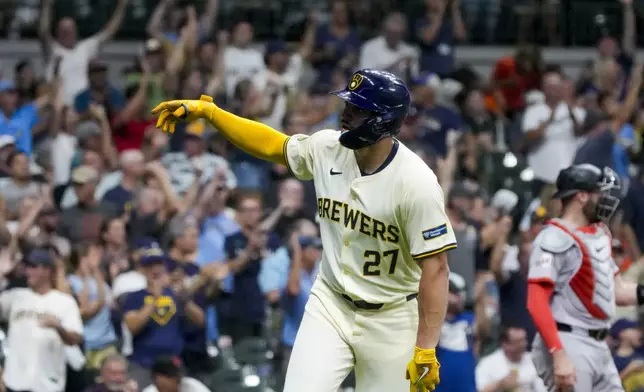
(120, 54)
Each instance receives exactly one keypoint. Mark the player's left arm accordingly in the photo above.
(432, 299)
(627, 293)
(429, 235)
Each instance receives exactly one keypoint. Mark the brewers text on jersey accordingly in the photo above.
(340, 212)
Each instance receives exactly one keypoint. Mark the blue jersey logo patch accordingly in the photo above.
(435, 232)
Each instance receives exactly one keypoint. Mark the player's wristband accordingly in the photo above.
(640, 294)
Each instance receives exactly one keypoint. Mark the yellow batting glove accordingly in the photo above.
(171, 112)
(422, 370)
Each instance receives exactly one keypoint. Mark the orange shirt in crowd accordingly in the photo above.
(506, 69)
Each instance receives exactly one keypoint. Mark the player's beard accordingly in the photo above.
(590, 211)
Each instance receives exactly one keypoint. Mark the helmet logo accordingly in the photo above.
(356, 81)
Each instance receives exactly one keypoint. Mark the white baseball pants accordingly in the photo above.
(335, 337)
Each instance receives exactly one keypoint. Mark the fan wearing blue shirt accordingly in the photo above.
(187, 277)
(154, 317)
(215, 227)
(274, 271)
(455, 350)
(608, 140)
(625, 145)
(306, 254)
(245, 311)
(19, 121)
(99, 91)
(435, 122)
(337, 44)
(89, 287)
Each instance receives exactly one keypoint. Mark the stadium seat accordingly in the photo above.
(224, 380)
(252, 351)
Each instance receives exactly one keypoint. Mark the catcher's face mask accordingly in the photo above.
(609, 195)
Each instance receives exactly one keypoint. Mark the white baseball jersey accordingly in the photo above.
(36, 360)
(374, 228)
(580, 264)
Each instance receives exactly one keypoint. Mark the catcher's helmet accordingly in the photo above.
(385, 96)
(590, 178)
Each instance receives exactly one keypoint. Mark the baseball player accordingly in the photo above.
(380, 297)
(574, 285)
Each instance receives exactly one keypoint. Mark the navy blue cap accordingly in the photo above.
(40, 257)
(152, 255)
(306, 242)
(273, 47)
(620, 326)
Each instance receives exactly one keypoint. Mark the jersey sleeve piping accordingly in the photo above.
(435, 251)
(288, 166)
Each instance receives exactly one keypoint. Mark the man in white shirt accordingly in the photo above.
(510, 367)
(74, 55)
(241, 61)
(278, 82)
(388, 52)
(550, 130)
(42, 322)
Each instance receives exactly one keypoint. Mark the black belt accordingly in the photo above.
(361, 304)
(597, 334)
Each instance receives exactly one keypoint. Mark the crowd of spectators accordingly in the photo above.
(135, 260)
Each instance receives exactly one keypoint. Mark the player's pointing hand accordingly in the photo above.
(422, 370)
(171, 112)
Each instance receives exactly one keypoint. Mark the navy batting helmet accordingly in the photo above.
(385, 96)
(590, 178)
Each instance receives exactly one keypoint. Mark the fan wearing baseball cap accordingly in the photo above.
(167, 373)
(155, 316)
(18, 121)
(42, 322)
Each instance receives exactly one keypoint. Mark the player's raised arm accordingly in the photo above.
(254, 138)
